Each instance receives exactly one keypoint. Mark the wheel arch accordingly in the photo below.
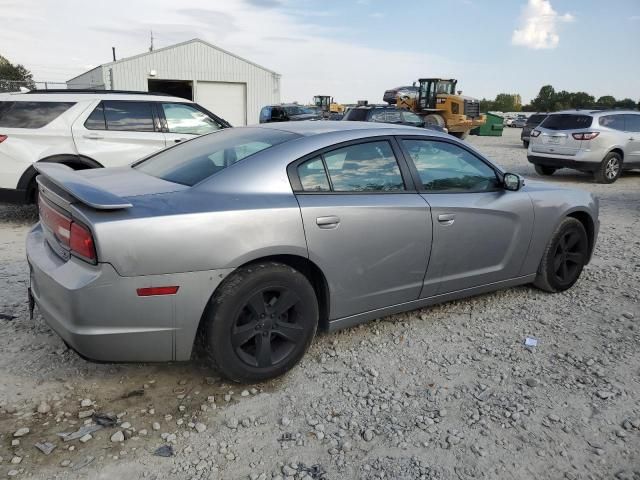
(302, 264)
(617, 150)
(589, 225)
(77, 162)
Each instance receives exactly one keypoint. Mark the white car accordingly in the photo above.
(89, 129)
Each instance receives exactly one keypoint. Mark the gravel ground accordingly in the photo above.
(448, 392)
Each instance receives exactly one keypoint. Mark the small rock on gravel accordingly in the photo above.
(21, 432)
(532, 382)
(200, 427)
(117, 437)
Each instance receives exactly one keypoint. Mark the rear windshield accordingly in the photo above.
(357, 114)
(535, 119)
(197, 159)
(567, 121)
(31, 114)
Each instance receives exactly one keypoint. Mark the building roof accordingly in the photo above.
(193, 40)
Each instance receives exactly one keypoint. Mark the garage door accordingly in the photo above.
(227, 100)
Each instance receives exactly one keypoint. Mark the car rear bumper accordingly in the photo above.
(575, 162)
(99, 313)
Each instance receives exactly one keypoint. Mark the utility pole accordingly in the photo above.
(151, 46)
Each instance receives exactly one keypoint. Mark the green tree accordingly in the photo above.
(606, 101)
(582, 100)
(545, 101)
(486, 105)
(505, 102)
(562, 100)
(12, 77)
(625, 103)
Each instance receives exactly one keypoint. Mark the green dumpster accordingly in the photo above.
(492, 128)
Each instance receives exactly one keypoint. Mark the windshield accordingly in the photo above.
(197, 159)
(566, 121)
(298, 110)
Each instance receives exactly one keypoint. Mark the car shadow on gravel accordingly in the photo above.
(21, 214)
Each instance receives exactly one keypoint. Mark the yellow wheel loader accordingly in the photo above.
(436, 101)
(326, 104)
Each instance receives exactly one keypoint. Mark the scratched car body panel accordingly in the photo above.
(130, 263)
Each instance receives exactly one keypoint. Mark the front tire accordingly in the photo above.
(544, 170)
(260, 322)
(610, 168)
(564, 258)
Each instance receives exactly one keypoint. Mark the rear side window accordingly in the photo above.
(31, 114)
(128, 116)
(567, 121)
(365, 167)
(191, 162)
(313, 176)
(632, 123)
(615, 122)
(96, 120)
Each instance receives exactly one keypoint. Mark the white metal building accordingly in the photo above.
(228, 85)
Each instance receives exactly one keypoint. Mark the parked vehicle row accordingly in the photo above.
(388, 114)
(601, 142)
(89, 129)
(532, 122)
(281, 229)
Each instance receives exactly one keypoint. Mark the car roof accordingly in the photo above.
(80, 96)
(594, 112)
(318, 127)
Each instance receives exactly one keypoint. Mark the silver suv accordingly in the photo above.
(601, 142)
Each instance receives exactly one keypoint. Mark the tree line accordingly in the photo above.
(548, 100)
(12, 77)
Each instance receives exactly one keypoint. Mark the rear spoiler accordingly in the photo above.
(79, 187)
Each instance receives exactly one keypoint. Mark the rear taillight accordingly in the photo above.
(585, 135)
(535, 133)
(81, 242)
(3, 138)
(70, 234)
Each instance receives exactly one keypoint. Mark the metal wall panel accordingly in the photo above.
(196, 60)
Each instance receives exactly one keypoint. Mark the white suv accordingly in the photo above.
(88, 129)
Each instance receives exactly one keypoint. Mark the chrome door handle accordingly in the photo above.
(446, 218)
(93, 136)
(328, 222)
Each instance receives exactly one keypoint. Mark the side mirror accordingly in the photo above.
(512, 182)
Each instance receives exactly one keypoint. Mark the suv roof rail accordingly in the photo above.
(88, 90)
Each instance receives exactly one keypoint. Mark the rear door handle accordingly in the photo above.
(178, 140)
(446, 218)
(328, 222)
(93, 136)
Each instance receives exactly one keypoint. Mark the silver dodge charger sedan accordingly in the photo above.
(250, 239)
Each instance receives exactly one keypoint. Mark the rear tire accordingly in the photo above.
(544, 170)
(564, 257)
(610, 168)
(261, 322)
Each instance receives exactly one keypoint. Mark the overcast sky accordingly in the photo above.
(351, 49)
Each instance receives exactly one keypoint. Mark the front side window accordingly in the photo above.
(632, 122)
(615, 122)
(446, 168)
(313, 176)
(183, 118)
(31, 114)
(365, 167)
(128, 116)
(202, 157)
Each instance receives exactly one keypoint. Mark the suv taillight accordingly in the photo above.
(585, 135)
(535, 133)
(3, 138)
(70, 234)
